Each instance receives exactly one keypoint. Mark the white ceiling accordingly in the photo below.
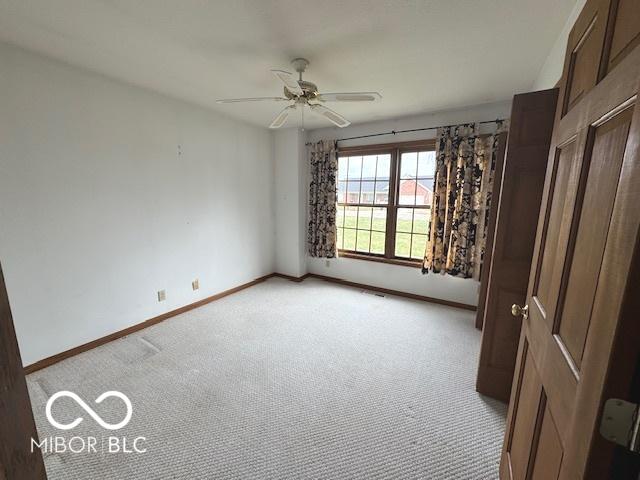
(420, 55)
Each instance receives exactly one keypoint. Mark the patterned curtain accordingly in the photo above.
(465, 166)
(321, 235)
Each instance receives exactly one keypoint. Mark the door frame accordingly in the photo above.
(17, 426)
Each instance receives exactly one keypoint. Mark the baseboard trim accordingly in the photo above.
(292, 278)
(46, 362)
(398, 293)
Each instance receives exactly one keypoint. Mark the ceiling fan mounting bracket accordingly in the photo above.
(300, 65)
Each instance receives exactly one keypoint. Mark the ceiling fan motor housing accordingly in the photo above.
(310, 90)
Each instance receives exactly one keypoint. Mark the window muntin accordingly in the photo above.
(384, 200)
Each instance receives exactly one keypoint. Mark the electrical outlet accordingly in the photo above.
(195, 284)
(327, 263)
(162, 295)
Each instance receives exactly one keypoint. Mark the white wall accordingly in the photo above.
(98, 211)
(290, 202)
(551, 70)
(406, 279)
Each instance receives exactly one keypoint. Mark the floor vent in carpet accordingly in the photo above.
(377, 294)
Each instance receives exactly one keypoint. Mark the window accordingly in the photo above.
(384, 201)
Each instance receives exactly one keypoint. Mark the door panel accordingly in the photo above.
(528, 399)
(565, 178)
(604, 170)
(585, 44)
(548, 457)
(625, 35)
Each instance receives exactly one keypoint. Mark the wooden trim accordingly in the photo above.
(405, 146)
(392, 210)
(17, 427)
(491, 227)
(46, 362)
(388, 291)
(290, 277)
(380, 259)
(397, 293)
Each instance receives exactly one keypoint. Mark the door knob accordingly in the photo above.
(517, 310)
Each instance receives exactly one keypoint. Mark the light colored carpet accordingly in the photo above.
(286, 381)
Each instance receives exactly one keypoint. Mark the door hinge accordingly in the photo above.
(621, 423)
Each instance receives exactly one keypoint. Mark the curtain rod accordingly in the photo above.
(394, 132)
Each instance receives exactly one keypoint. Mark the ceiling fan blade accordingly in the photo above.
(289, 81)
(282, 117)
(330, 115)
(349, 97)
(256, 99)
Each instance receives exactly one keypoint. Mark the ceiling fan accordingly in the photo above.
(300, 93)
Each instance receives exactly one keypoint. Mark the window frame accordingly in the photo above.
(395, 150)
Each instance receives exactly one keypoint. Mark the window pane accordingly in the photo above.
(418, 246)
(403, 244)
(404, 220)
(379, 220)
(340, 216)
(367, 190)
(407, 192)
(384, 166)
(382, 192)
(342, 168)
(353, 192)
(349, 239)
(408, 165)
(364, 218)
(364, 237)
(421, 217)
(377, 242)
(426, 164)
(351, 217)
(424, 191)
(339, 235)
(355, 168)
(342, 192)
(369, 167)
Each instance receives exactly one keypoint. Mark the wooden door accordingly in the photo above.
(586, 241)
(524, 168)
(16, 418)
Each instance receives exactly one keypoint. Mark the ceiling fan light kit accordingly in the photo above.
(304, 93)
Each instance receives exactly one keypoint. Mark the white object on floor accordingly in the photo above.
(286, 380)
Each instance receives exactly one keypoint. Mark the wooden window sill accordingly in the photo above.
(371, 258)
